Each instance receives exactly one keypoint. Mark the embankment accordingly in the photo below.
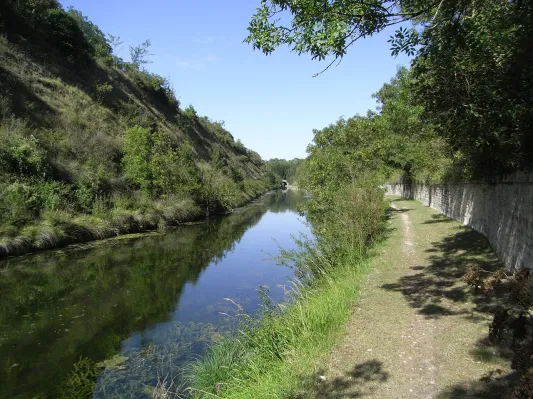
(65, 230)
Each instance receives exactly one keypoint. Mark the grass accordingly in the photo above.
(59, 228)
(216, 366)
(416, 289)
(419, 331)
(268, 360)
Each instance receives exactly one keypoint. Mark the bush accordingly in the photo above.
(173, 169)
(63, 31)
(21, 156)
(137, 156)
(110, 169)
(102, 91)
(268, 357)
(190, 111)
(215, 191)
(20, 203)
(55, 195)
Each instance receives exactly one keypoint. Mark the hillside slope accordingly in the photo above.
(93, 146)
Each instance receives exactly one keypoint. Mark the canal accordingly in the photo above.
(108, 319)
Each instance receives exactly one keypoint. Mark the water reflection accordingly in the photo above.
(130, 309)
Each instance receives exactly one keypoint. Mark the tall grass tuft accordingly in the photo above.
(211, 375)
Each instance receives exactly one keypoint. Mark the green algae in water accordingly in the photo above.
(115, 363)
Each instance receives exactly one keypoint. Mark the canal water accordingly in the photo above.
(109, 320)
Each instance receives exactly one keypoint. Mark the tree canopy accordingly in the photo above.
(472, 72)
(325, 28)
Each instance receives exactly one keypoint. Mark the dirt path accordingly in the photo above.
(417, 330)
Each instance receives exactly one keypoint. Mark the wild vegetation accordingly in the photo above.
(266, 357)
(347, 162)
(92, 145)
(512, 324)
(460, 112)
(279, 169)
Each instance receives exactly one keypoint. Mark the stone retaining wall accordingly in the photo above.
(502, 211)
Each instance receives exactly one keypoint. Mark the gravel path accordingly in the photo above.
(417, 331)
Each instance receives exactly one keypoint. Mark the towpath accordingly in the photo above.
(417, 330)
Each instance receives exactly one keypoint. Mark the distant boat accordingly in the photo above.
(284, 184)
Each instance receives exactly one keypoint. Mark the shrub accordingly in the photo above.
(137, 156)
(55, 195)
(84, 197)
(101, 207)
(240, 148)
(63, 31)
(93, 35)
(269, 355)
(20, 203)
(102, 91)
(21, 156)
(215, 191)
(190, 111)
(172, 169)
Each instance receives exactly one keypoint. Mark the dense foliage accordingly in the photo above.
(93, 146)
(267, 357)
(472, 72)
(366, 151)
(475, 79)
(281, 169)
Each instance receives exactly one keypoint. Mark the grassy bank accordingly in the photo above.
(94, 146)
(270, 357)
(59, 228)
(270, 362)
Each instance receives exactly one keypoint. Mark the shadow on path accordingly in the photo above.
(438, 290)
(358, 383)
(439, 218)
(494, 385)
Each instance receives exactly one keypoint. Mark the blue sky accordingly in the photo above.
(271, 103)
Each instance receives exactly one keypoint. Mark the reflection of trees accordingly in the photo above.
(284, 201)
(59, 306)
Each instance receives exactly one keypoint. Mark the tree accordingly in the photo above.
(139, 54)
(279, 169)
(116, 44)
(473, 70)
(92, 33)
(475, 79)
(215, 191)
(325, 28)
(137, 156)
